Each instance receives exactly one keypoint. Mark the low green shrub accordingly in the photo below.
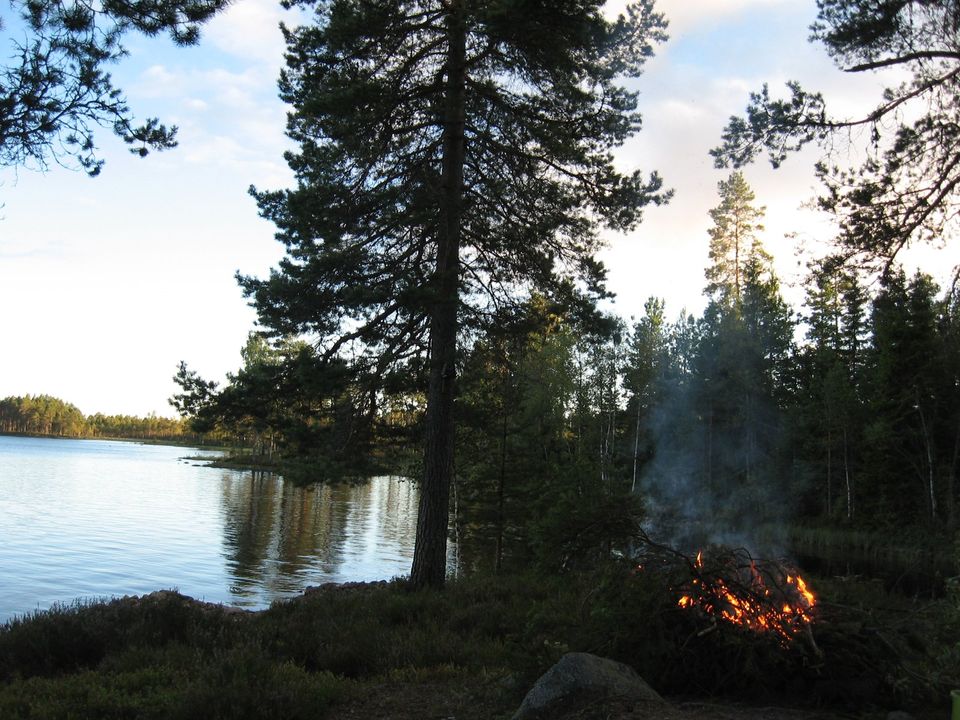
(143, 694)
(243, 684)
(80, 636)
(164, 656)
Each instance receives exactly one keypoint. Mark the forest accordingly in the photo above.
(50, 416)
(842, 413)
(633, 485)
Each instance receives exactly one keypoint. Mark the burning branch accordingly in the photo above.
(759, 595)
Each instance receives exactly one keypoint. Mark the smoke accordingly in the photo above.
(715, 472)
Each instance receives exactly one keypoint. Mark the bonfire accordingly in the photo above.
(759, 595)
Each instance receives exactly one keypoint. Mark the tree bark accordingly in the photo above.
(430, 550)
(636, 448)
(498, 566)
(846, 475)
(829, 471)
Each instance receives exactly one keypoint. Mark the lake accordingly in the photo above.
(97, 518)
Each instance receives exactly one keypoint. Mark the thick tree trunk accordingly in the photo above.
(430, 551)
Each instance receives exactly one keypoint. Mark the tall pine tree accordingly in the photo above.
(736, 222)
(743, 363)
(453, 156)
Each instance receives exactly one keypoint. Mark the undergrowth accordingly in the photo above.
(165, 656)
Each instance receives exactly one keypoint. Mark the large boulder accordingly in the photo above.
(580, 679)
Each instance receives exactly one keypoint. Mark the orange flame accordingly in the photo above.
(765, 599)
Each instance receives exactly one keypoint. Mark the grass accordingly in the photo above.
(382, 650)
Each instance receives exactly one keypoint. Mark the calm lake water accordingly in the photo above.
(95, 518)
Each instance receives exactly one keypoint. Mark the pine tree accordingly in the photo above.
(736, 222)
(55, 88)
(743, 362)
(453, 156)
(906, 189)
(648, 357)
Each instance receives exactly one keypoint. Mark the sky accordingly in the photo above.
(106, 284)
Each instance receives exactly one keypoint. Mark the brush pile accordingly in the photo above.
(745, 626)
(764, 596)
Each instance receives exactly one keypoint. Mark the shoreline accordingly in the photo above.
(142, 441)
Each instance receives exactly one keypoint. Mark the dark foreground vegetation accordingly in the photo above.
(469, 651)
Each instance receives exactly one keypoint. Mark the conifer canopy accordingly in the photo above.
(452, 157)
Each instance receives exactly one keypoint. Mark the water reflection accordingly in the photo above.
(279, 538)
(95, 518)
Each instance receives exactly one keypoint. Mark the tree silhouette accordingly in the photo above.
(453, 156)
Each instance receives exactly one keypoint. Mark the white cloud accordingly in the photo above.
(227, 118)
(686, 15)
(250, 29)
(683, 111)
(159, 81)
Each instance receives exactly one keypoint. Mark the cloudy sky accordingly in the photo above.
(107, 283)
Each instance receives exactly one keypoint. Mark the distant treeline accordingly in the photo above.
(48, 415)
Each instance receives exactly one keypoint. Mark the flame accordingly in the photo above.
(762, 598)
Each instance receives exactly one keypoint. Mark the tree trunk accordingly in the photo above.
(636, 448)
(846, 475)
(430, 550)
(928, 452)
(952, 483)
(710, 449)
(829, 472)
(500, 483)
(736, 264)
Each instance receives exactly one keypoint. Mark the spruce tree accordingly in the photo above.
(906, 400)
(452, 157)
(829, 418)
